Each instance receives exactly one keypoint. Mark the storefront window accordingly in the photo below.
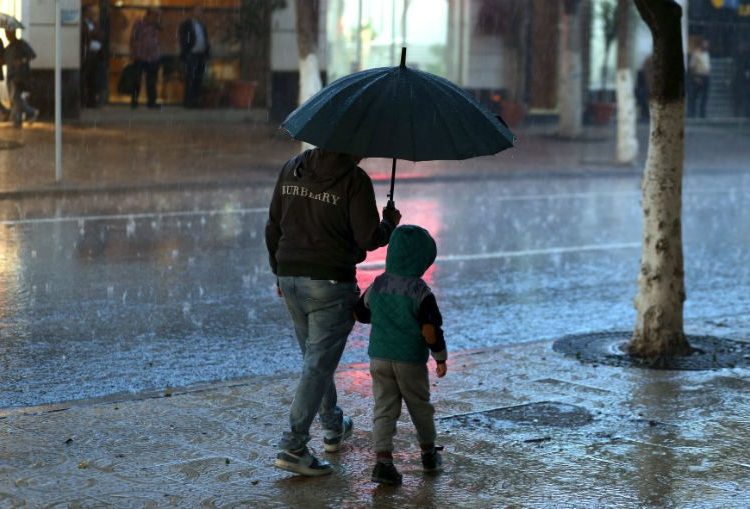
(219, 17)
(364, 34)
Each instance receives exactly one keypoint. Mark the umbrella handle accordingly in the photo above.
(393, 180)
(391, 203)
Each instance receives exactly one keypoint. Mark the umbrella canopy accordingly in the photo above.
(400, 113)
(8, 22)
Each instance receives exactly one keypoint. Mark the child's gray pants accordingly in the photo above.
(392, 382)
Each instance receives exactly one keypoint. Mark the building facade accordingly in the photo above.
(502, 51)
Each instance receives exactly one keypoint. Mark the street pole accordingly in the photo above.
(359, 36)
(58, 92)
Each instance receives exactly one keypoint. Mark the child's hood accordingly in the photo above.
(411, 251)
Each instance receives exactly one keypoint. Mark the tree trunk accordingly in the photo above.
(569, 98)
(661, 288)
(307, 45)
(627, 139)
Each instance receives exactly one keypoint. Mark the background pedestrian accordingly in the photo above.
(18, 55)
(145, 51)
(4, 111)
(91, 57)
(643, 88)
(699, 78)
(194, 53)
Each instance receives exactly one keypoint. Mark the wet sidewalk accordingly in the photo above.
(118, 149)
(522, 426)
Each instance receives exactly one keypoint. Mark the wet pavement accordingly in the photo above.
(145, 272)
(522, 426)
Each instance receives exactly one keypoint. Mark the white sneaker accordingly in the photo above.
(303, 463)
(332, 439)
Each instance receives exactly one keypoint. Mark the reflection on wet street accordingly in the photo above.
(101, 294)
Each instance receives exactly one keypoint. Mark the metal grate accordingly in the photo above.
(608, 348)
(543, 413)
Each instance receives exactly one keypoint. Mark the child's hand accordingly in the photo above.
(442, 369)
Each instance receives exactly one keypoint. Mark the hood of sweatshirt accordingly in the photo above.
(318, 169)
(411, 251)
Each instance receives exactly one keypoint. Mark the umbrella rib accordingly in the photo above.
(369, 105)
(357, 96)
(487, 149)
(322, 96)
(429, 92)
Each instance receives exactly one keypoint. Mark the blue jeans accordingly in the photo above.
(322, 312)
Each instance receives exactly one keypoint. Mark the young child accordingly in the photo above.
(406, 324)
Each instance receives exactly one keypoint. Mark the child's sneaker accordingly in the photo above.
(431, 460)
(303, 463)
(386, 473)
(332, 439)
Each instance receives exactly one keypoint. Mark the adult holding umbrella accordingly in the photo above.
(322, 221)
(4, 112)
(18, 55)
(7, 22)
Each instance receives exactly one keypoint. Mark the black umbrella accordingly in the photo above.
(398, 113)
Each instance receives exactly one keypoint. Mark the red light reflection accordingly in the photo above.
(356, 379)
(423, 212)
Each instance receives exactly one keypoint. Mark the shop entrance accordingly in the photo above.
(117, 18)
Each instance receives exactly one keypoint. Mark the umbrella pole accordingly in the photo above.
(393, 167)
(393, 180)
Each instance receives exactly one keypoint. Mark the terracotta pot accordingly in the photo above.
(512, 112)
(601, 113)
(241, 93)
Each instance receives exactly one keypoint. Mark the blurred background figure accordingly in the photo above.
(4, 112)
(18, 56)
(194, 52)
(91, 57)
(643, 89)
(145, 51)
(699, 79)
(742, 81)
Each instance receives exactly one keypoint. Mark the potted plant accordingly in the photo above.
(240, 93)
(511, 111)
(251, 31)
(510, 20)
(601, 109)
